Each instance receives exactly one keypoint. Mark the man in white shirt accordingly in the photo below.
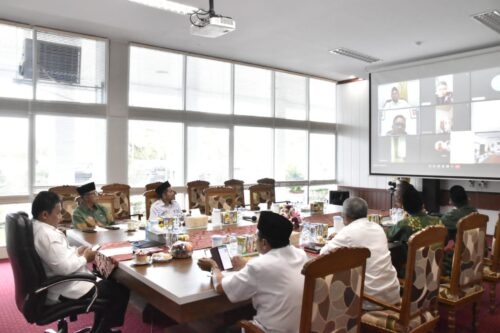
(395, 102)
(59, 259)
(165, 206)
(380, 277)
(273, 280)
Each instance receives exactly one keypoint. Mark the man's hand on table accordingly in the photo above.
(332, 235)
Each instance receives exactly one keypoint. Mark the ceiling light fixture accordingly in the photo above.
(167, 5)
(489, 19)
(354, 54)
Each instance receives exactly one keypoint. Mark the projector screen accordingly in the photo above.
(437, 119)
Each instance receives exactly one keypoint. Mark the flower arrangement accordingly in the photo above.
(291, 213)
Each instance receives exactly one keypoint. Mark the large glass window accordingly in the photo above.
(252, 91)
(155, 153)
(15, 79)
(290, 96)
(253, 153)
(208, 86)
(69, 150)
(14, 156)
(155, 79)
(208, 154)
(70, 68)
(322, 101)
(321, 156)
(290, 157)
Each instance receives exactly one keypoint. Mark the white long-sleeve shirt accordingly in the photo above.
(59, 258)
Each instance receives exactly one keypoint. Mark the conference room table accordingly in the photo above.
(179, 288)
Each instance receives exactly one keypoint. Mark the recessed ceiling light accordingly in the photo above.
(354, 54)
(489, 19)
(167, 5)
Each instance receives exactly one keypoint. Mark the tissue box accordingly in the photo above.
(229, 217)
(196, 221)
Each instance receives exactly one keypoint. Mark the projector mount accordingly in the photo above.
(201, 17)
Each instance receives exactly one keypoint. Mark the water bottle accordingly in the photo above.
(233, 245)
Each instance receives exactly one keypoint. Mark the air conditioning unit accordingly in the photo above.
(216, 27)
(56, 62)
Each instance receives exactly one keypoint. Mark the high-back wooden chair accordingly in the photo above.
(491, 269)
(149, 197)
(152, 186)
(417, 311)
(108, 201)
(69, 196)
(269, 181)
(239, 188)
(121, 192)
(220, 197)
(465, 283)
(333, 292)
(196, 194)
(261, 193)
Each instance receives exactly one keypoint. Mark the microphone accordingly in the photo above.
(250, 218)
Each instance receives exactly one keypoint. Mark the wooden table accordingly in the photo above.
(178, 288)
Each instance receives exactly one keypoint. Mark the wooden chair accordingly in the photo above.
(196, 194)
(69, 202)
(220, 197)
(269, 181)
(152, 186)
(465, 282)
(491, 269)
(261, 193)
(339, 274)
(150, 197)
(108, 201)
(240, 191)
(417, 311)
(121, 192)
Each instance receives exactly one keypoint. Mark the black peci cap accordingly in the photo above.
(86, 188)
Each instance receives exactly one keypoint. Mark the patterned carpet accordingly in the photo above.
(11, 320)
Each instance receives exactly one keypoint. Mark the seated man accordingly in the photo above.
(380, 276)
(416, 220)
(58, 258)
(273, 280)
(89, 213)
(166, 204)
(458, 198)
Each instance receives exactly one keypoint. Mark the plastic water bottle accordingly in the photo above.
(233, 245)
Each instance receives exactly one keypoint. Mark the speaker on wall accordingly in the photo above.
(338, 197)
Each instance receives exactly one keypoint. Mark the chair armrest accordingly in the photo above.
(381, 303)
(249, 327)
(55, 280)
(139, 215)
(82, 277)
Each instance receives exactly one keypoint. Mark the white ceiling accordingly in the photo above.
(293, 35)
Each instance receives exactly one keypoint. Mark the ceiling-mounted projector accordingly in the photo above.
(215, 26)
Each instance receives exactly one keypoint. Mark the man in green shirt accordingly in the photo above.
(416, 220)
(458, 198)
(89, 213)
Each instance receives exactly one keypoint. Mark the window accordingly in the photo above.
(208, 86)
(290, 96)
(14, 172)
(321, 156)
(155, 153)
(208, 154)
(253, 153)
(156, 79)
(69, 150)
(70, 68)
(290, 159)
(252, 91)
(322, 101)
(12, 82)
